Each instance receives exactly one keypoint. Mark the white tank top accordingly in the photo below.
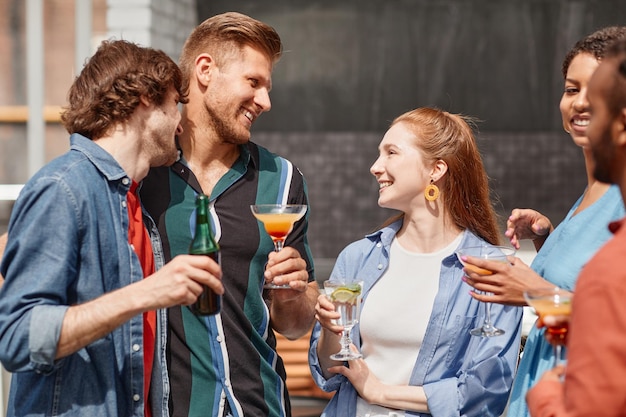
(393, 320)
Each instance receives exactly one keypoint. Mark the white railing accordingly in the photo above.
(9, 192)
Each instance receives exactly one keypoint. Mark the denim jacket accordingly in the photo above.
(462, 375)
(68, 244)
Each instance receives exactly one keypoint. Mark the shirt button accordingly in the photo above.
(125, 181)
(227, 383)
(380, 266)
(124, 203)
(136, 347)
(219, 339)
(136, 397)
(378, 245)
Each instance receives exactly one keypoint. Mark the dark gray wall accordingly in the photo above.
(355, 64)
(351, 66)
(542, 170)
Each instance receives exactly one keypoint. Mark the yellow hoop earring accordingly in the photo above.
(431, 192)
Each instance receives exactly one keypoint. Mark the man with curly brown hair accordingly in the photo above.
(77, 318)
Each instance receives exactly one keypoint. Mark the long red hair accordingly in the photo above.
(465, 187)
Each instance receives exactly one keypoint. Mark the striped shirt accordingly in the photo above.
(230, 357)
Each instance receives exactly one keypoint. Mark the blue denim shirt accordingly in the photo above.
(462, 375)
(68, 244)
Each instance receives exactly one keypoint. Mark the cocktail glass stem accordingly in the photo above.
(345, 341)
(558, 351)
(487, 322)
(278, 246)
(487, 329)
(345, 354)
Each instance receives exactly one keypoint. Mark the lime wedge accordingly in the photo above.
(355, 288)
(347, 294)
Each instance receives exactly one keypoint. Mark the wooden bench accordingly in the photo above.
(295, 354)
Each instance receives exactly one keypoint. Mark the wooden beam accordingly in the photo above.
(19, 114)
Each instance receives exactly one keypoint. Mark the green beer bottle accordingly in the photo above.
(203, 243)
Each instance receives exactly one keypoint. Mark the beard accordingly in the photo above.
(165, 152)
(226, 127)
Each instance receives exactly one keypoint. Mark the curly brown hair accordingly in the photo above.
(109, 88)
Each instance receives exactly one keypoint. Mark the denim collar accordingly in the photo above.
(100, 158)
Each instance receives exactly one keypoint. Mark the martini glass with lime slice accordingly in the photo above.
(347, 300)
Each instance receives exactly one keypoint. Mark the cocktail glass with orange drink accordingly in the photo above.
(278, 220)
(492, 253)
(552, 301)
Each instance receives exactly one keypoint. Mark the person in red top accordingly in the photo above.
(139, 240)
(594, 376)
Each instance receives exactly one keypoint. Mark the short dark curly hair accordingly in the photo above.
(108, 89)
(595, 44)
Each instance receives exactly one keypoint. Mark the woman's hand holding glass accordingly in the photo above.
(327, 315)
(346, 297)
(497, 254)
(507, 283)
(337, 310)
